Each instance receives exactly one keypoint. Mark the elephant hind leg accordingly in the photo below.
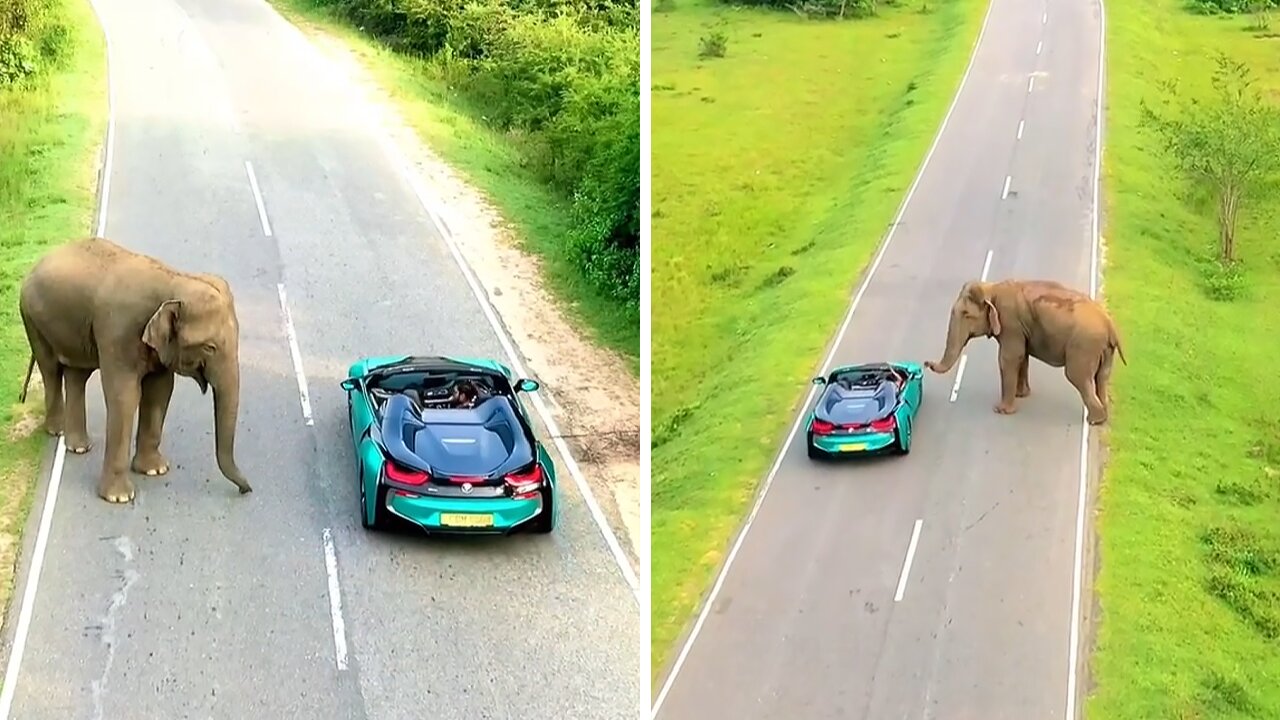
(1102, 381)
(1083, 376)
(77, 430)
(157, 390)
(51, 372)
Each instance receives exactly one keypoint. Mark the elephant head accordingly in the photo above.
(196, 333)
(973, 314)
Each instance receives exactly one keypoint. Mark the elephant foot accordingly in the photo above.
(53, 429)
(1024, 391)
(78, 443)
(1005, 409)
(150, 464)
(116, 489)
(1097, 420)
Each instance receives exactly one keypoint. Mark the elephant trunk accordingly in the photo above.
(226, 409)
(956, 340)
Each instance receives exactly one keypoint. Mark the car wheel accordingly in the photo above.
(545, 522)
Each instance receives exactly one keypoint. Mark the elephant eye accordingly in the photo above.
(210, 348)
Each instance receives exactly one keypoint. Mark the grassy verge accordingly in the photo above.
(1190, 545)
(493, 163)
(50, 133)
(772, 165)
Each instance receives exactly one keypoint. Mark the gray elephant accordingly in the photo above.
(93, 305)
(1055, 324)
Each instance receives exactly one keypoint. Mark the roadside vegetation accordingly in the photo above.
(537, 103)
(1189, 586)
(53, 113)
(783, 143)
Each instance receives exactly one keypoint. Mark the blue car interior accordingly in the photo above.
(864, 400)
(485, 441)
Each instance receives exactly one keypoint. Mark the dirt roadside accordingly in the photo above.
(591, 393)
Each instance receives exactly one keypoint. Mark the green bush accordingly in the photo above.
(818, 8)
(31, 39)
(562, 78)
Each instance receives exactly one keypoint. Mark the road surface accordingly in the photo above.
(234, 152)
(809, 621)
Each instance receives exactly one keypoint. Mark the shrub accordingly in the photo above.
(31, 39)
(564, 77)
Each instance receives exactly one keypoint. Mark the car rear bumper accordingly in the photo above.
(483, 516)
(853, 444)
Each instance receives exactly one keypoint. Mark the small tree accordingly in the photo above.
(1229, 147)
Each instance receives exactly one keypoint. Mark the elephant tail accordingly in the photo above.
(26, 383)
(1115, 342)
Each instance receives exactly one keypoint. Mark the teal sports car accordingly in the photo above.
(446, 468)
(864, 409)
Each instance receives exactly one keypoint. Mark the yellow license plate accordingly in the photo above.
(466, 520)
(853, 447)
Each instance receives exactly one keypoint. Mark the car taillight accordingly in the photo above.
(404, 475)
(822, 427)
(525, 485)
(884, 425)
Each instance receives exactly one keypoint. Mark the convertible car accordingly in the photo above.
(444, 468)
(867, 408)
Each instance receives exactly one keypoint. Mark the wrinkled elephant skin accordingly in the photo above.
(94, 305)
(1047, 320)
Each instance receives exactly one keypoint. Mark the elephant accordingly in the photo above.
(1047, 320)
(91, 304)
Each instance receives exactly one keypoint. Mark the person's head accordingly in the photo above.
(464, 393)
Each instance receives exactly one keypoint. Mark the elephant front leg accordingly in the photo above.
(77, 430)
(1024, 384)
(123, 392)
(157, 390)
(1009, 363)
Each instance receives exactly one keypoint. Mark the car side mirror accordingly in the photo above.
(527, 385)
(819, 381)
(349, 384)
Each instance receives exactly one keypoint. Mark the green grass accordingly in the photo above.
(776, 171)
(1190, 539)
(493, 163)
(50, 136)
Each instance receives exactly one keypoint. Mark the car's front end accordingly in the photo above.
(469, 505)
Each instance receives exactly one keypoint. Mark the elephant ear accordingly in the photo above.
(993, 317)
(161, 332)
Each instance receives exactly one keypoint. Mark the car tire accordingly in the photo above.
(814, 453)
(545, 521)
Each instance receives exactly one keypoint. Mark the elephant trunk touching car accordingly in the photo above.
(1043, 319)
(94, 305)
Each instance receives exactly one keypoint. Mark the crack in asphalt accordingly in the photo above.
(108, 625)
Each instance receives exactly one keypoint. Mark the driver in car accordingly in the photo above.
(466, 395)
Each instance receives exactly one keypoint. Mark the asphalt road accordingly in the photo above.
(808, 622)
(199, 603)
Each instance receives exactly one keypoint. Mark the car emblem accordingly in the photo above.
(466, 488)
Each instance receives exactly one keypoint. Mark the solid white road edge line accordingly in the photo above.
(1077, 579)
(257, 198)
(1004, 194)
(296, 355)
(906, 563)
(955, 388)
(335, 602)
(835, 345)
(10, 688)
